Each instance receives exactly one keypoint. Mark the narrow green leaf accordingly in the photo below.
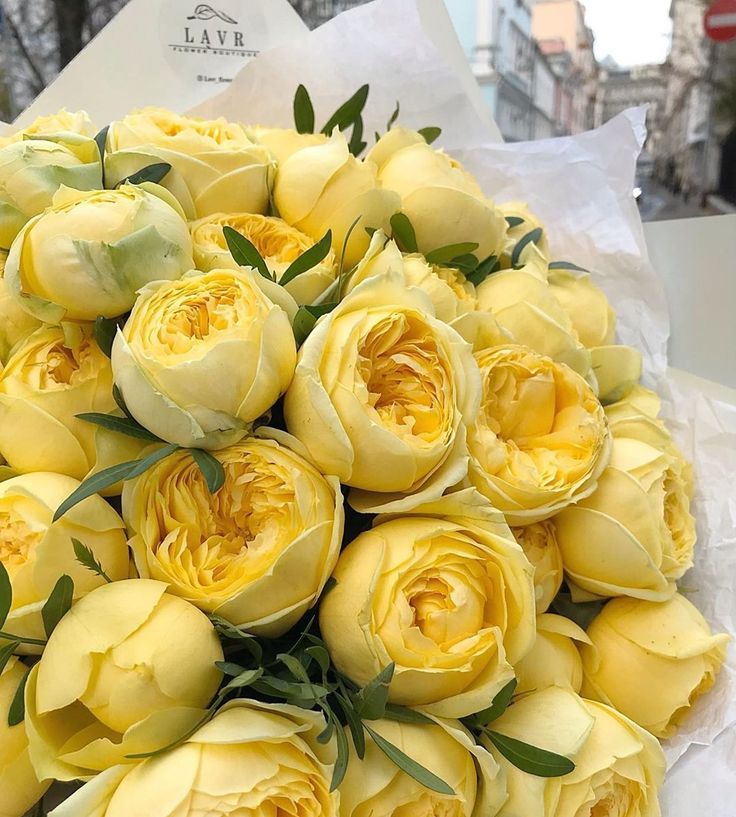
(403, 714)
(142, 465)
(117, 396)
(244, 253)
(17, 711)
(343, 754)
(270, 684)
(330, 584)
(325, 736)
(530, 759)
(355, 725)
(6, 651)
(6, 594)
(370, 702)
(151, 173)
(514, 221)
(444, 254)
(430, 133)
(105, 330)
(498, 705)
(467, 263)
(101, 140)
(245, 639)
(531, 237)
(409, 765)
(58, 603)
(356, 145)
(303, 111)
(320, 655)
(567, 265)
(483, 270)
(306, 318)
(244, 679)
(348, 112)
(294, 665)
(211, 468)
(121, 425)
(308, 259)
(86, 558)
(341, 267)
(229, 668)
(394, 116)
(403, 232)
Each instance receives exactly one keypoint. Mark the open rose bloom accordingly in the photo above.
(340, 471)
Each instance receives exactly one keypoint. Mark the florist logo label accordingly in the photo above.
(212, 31)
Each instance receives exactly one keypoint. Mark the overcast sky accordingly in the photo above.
(633, 32)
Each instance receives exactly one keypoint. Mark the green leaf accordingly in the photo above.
(430, 133)
(483, 270)
(354, 724)
(343, 754)
(308, 259)
(341, 267)
(101, 140)
(403, 232)
(356, 145)
(117, 396)
(330, 584)
(17, 711)
(58, 603)
(151, 173)
(370, 702)
(211, 468)
(303, 111)
(320, 655)
(467, 263)
(246, 640)
(6, 651)
(244, 253)
(6, 594)
(86, 558)
(444, 254)
(270, 684)
(325, 736)
(403, 714)
(306, 318)
(121, 425)
(244, 679)
(567, 265)
(105, 330)
(497, 707)
(229, 668)
(348, 112)
(409, 765)
(529, 238)
(109, 476)
(294, 666)
(514, 221)
(530, 759)
(394, 116)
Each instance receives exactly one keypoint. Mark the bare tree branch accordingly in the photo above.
(40, 83)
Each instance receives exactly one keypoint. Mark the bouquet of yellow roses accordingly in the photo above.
(328, 490)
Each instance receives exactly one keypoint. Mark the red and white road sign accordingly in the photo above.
(720, 21)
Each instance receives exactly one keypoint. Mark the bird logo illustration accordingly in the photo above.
(205, 12)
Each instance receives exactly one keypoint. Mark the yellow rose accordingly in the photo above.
(282, 142)
(128, 670)
(277, 242)
(619, 767)
(90, 252)
(15, 322)
(539, 542)
(47, 381)
(215, 166)
(617, 370)
(201, 358)
(524, 304)
(33, 170)
(448, 600)
(521, 222)
(63, 122)
(431, 185)
(19, 786)
(251, 758)
(36, 551)
(554, 660)
(325, 187)
(635, 535)
(259, 551)
(540, 441)
(590, 312)
(376, 786)
(451, 294)
(652, 661)
(382, 394)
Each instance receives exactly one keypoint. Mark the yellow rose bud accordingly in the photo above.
(251, 758)
(448, 600)
(539, 542)
(554, 660)
(451, 294)
(128, 670)
(652, 661)
(431, 185)
(282, 142)
(15, 322)
(592, 316)
(519, 210)
(325, 187)
(376, 786)
(36, 551)
(33, 170)
(90, 252)
(61, 122)
(259, 551)
(382, 394)
(619, 767)
(232, 325)
(540, 441)
(19, 786)
(277, 242)
(635, 535)
(215, 166)
(46, 383)
(525, 305)
(617, 370)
